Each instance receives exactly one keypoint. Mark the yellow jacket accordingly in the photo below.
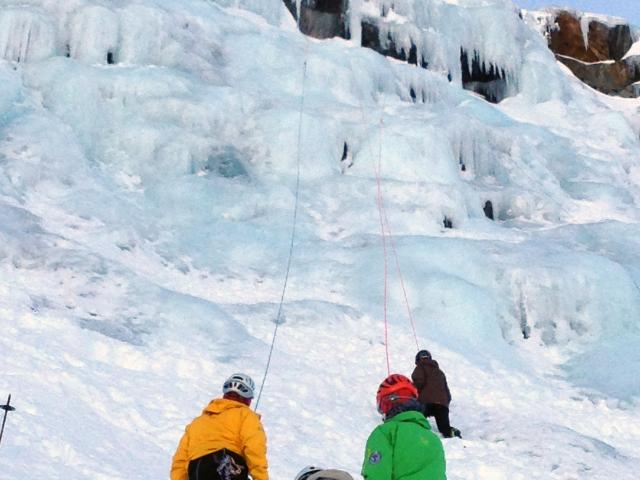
(224, 424)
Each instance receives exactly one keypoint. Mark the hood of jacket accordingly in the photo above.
(219, 405)
(410, 416)
(411, 405)
(429, 363)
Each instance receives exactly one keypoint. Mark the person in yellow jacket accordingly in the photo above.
(226, 442)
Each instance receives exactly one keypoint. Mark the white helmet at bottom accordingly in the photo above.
(239, 383)
(306, 472)
(315, 473)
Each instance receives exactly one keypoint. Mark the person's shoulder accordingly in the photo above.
(433, 364)
(249, 414)
(380, 429)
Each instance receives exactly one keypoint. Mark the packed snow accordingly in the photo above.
(634, 51)
(148, 159)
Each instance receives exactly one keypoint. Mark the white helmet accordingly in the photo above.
(239, 383)
(315, 473)
(306, 472)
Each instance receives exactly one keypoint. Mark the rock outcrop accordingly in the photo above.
(385, 45)
(604, 42)
(324, 19)
(321, 18)
(596, 56)
(490, 80)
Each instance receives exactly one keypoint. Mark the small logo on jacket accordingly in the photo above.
(375, 457)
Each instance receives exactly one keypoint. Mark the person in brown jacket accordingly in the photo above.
(433, 392)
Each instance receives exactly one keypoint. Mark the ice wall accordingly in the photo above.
(105, 33)
(439, 30)
(479, 44)
(25, 35)
(148, 159)
(186, 117)
(272, 10)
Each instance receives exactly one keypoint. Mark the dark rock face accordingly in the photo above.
(599, 64)
(291, 6)
(321, 18)
(488, 209)
(487, 80)
(372, 39)
(620, 41)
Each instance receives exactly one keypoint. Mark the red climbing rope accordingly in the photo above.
(404, 290)
(385, 255)
(385, 229)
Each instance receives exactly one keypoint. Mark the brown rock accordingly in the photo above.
(598, 36)
(599, 64)
(604, 42)
(607, 77)
(567, 39)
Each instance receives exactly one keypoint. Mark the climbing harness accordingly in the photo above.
(228, 468)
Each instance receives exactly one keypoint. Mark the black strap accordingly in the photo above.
(219, 465)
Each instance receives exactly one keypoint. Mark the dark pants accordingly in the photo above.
(441, 414)
(220, 465)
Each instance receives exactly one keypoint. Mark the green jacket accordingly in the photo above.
(404, 448)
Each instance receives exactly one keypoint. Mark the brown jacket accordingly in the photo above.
(431, 383)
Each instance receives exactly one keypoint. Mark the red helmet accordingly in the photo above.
(395, 390)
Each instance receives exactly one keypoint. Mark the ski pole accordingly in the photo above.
(7, 408)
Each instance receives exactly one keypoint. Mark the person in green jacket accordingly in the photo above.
(403, 447)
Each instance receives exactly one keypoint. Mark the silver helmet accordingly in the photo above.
(239, 383)
(306, 472)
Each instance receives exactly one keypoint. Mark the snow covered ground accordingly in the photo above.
(148, 158)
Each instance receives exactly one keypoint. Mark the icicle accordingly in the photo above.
(355, 21)
(584, 25)
(25, 36)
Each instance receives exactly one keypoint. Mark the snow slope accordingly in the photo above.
(148, 158)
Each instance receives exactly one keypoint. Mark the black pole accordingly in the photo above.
(7, 408)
